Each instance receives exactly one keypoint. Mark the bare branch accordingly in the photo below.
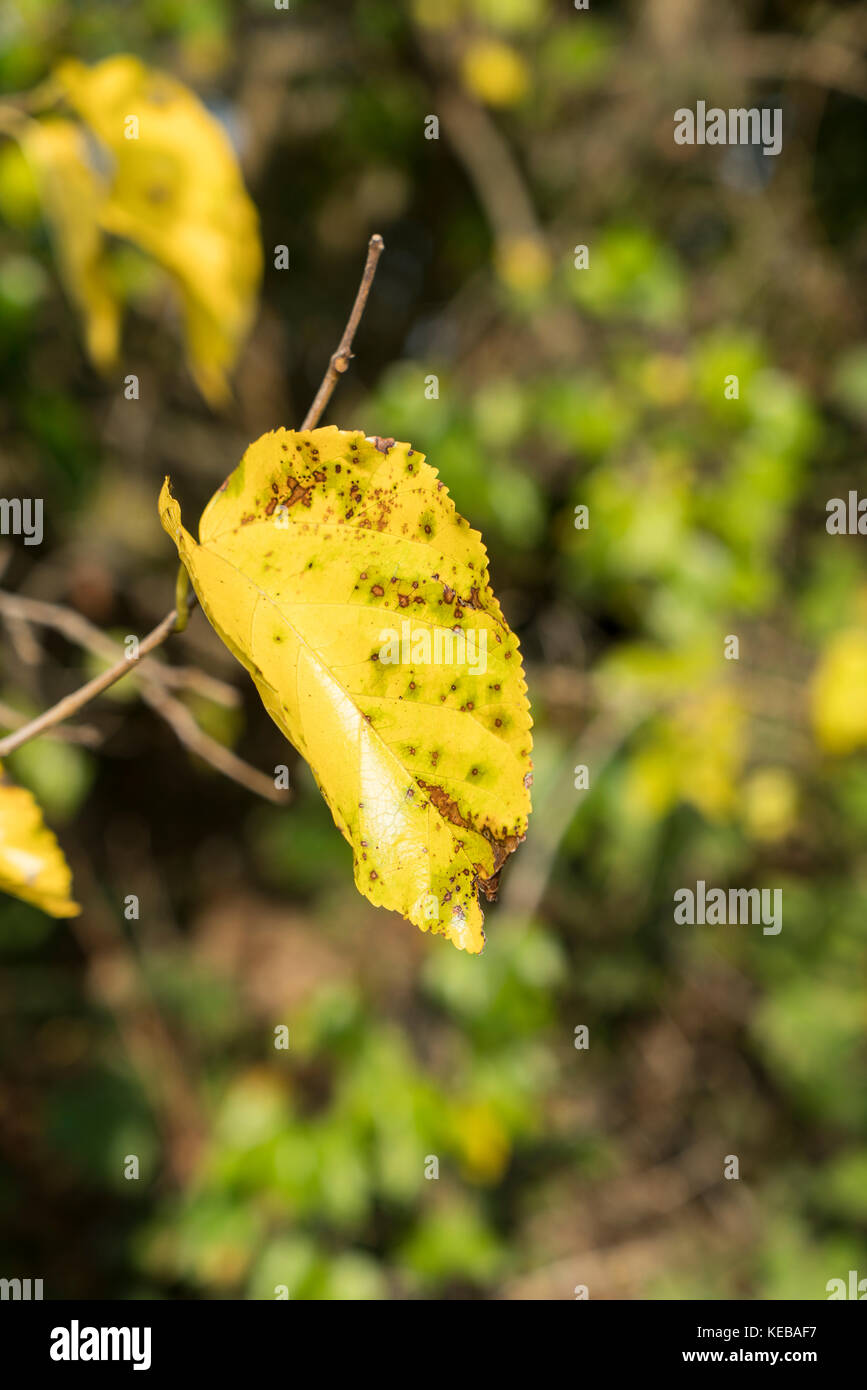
(491, 167)
(179, 718)
(69, 733)
(20, 611)
(155, 677)
(343, 356)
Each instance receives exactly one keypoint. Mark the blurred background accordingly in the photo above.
(558, 387)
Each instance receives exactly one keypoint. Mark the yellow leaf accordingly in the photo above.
(770, 801)
(838, 693)
(694, 754)
(337, 570)
(176, 191)
(32, 865)
(495, 73)
(19, 194)
(483, 1139)
(523, 263)
(437, 14)
(73, 196)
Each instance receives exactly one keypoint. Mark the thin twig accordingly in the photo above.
(86, 734)
(27, 649)
(179, 718)
(155, 678)
(172, 710)
(491, 167)
(22, 611)
(343, 356)
(70, 704)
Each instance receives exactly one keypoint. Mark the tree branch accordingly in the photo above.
(343, 356)
(71, 733)
(17, 609)
(156, 680)
(179, 719)
(70, 704)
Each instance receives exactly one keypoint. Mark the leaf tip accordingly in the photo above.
(169, 510)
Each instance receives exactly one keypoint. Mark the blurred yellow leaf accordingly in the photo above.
(73, 198)
(19, 193)
(175, 189)
(523, 263)
(495, 73)
(838, 693)
(665, 379)
(770, 800)
(32, 864)
(337, 570)
(437, 14)
(509, 14)
(484, 1142)
(693, 755)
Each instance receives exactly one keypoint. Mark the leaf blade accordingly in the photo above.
(32, 864)
(73, 195)
(314, 543)
(177, 192)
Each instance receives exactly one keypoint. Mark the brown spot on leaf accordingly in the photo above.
(447, 807)
(502, 847)
(299, 493)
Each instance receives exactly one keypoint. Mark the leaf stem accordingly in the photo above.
(343, 356)
(182, 605)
